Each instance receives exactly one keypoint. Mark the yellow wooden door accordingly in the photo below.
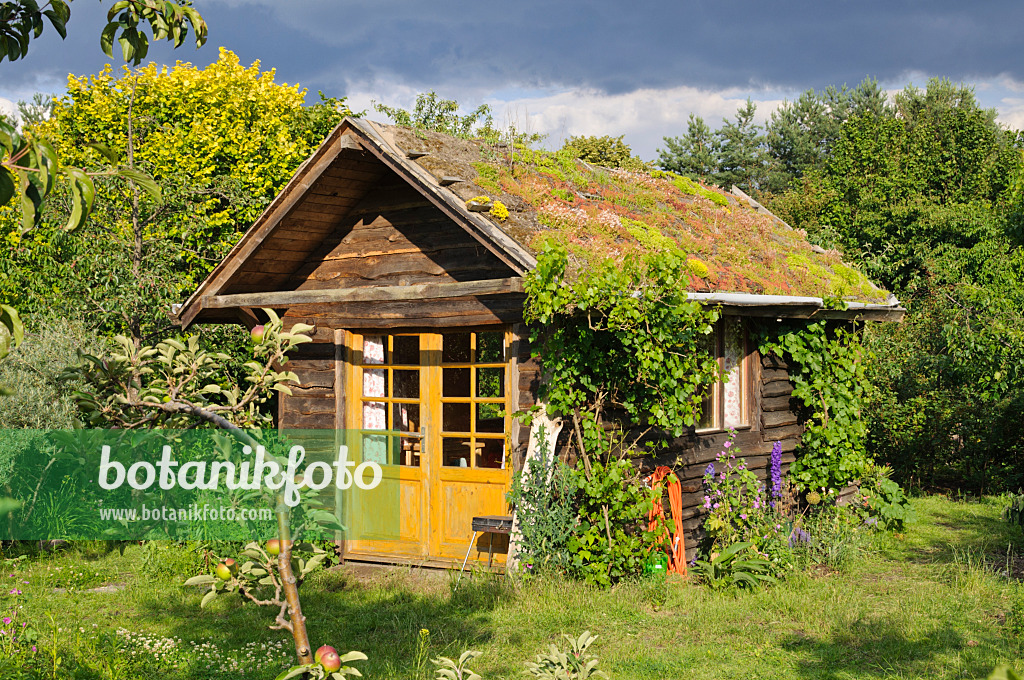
(388, 381)
(471, 467)
(444, 400)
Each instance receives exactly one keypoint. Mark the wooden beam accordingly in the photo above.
(423, 291)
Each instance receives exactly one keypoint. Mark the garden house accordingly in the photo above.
(407, 251)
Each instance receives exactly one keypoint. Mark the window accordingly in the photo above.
(473, 399)
(390, 398)
(726, 405)
(448, 387)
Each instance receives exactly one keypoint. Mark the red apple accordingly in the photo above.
(273, 547)
(231, 565)
(323, 650)
(223, 571)
(257, 334)
(331, 661)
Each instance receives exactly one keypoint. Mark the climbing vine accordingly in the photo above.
(620, 335)
(827, 370)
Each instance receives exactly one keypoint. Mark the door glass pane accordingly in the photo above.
(373, 349)
(490, 382)
(490, 418)
(406, 350)
(455, 417)
(455, 348)
(375, 448)
(456, 382)
(406, 417)
(375, 415)
(490, 347)
(490, 453)
(455, 451)
(407, 384)
(410, 451)
(374, 383)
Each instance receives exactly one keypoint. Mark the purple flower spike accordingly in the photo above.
(776, 472)
(710, 470)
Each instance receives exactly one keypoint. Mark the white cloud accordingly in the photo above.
(644, 116)
(7, 107)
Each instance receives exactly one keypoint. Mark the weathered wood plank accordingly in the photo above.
(377, 294)
(773, 361)
(781, 388)
(414, 315)
(771, 419)
(784, 432)
(783, 403)
(774, 374)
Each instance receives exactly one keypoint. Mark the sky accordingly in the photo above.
(566, 67)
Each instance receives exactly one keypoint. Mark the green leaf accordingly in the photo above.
(6, 186)
(207, 598)
(296, 671)
(83, 195)
(107, 39)
(143, 181)
(201, 580)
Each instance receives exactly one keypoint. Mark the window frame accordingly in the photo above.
(746, 377)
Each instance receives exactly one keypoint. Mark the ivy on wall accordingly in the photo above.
(623, 336)
(827, 370)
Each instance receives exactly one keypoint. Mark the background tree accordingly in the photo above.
(219, 142)
(694, 155)
(920, 191)
(606, 151)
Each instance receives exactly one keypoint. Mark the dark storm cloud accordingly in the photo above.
(610, 46)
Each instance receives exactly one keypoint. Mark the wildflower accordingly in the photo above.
(727, 444)
(716, 505)
(707, 502)
(7, 619)
(709, 471)
(799, 536)
(776, 472)
(743, 515)
(14, 591)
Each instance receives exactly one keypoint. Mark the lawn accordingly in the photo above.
(929, 603)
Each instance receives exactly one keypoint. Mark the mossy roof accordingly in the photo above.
(731, 244)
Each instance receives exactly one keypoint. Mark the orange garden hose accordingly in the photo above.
(677, 555)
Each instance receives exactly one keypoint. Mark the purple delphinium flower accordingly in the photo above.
(776, 472)
(799, 536)
(709, 471)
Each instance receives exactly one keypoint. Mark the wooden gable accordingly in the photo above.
(362, 234)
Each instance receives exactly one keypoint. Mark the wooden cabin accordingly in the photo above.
(384, 242)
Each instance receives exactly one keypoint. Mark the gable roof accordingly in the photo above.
(738, 253)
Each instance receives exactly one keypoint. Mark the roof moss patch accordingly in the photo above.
(601, 213)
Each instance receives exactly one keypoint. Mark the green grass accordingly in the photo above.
(930, 603)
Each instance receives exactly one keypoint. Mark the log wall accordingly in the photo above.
(775, 420)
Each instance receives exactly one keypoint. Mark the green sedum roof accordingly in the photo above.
(599, 213)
